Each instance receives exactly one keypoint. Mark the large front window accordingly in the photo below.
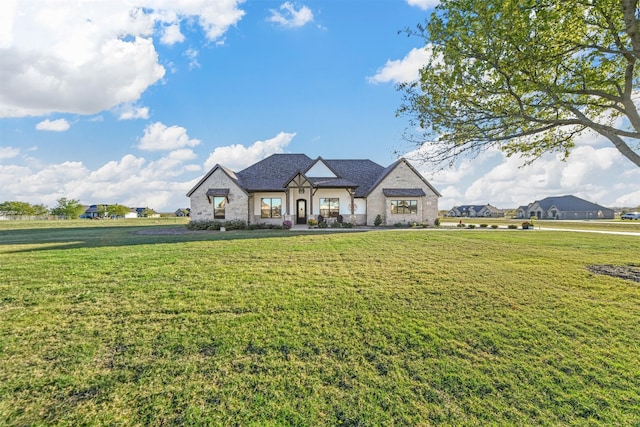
(218, 207)
(270, 208)
(330, 207)
(404, 206)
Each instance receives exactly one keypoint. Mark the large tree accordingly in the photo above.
(527, 76)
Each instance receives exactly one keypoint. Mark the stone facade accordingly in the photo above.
(402, 176)
(237, 206)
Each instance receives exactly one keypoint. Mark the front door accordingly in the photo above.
(302, 211)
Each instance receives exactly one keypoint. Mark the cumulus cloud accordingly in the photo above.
(133, 181)
(8, 152)
(423, 4)
(171, 34)
(288, 16)
(85, 56)
(403, 70)
(158, 136)
(131, 112)
(594, 171)
(60, 125)
(237, 157)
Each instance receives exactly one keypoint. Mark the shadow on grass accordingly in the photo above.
(46, 239)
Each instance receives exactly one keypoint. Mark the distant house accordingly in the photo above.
(297, 188)
(564, 207)
(95, 211)
(183, 212)
(475, 211)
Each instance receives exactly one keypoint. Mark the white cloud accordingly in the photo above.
(192, 55)
(171, 34)
(423, 4)
(60, 125)
(594, 172)
(403, 70)
(88, 56)
(131, 112)
(289, 16)
(237, 157)
(158, 136)
(131, 181)
(8, 152)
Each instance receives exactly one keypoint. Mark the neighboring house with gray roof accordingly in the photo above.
(296, 188)
(564, 207)
(475, 211)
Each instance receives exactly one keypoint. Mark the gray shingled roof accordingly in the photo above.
(569, 204)
(272, 173)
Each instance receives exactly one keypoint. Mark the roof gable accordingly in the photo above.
(319, 169)
(394, 165)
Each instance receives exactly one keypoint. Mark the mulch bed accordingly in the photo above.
(627, 272)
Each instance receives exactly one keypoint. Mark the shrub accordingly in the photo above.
(287, 225)
(436, 222)
(484, 225)
(347, 225)
(323, 224)
(312, 222)
(512, 227)
(233, 225)
(377, 221)
(471, 226)
(336, 224)
(201, 224)
(399, 224)
(460, 225)
(494, 226)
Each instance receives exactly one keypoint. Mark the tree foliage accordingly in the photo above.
(527, 76)
(68, 208)
(117, 210)
(23, 208)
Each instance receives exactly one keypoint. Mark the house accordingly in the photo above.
(182, 212)
(296, 188)
(564, 207)
(475, 211)
(95, 211)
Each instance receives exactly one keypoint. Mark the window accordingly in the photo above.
(404, 206)
(271, 208)
(219, 203)
(330, 207)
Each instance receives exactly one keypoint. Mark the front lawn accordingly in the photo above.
(105, 326)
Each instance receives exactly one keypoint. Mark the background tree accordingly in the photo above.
(147, 212)
(527, 76)
(117, 210)
(17, 208)
(23, 208)
(68, 208)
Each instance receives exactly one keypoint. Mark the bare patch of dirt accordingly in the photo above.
(627, 272)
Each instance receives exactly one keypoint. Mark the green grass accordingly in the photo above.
(598, 225)
(102, 326)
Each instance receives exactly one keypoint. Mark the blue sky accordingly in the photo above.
(132, 101)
